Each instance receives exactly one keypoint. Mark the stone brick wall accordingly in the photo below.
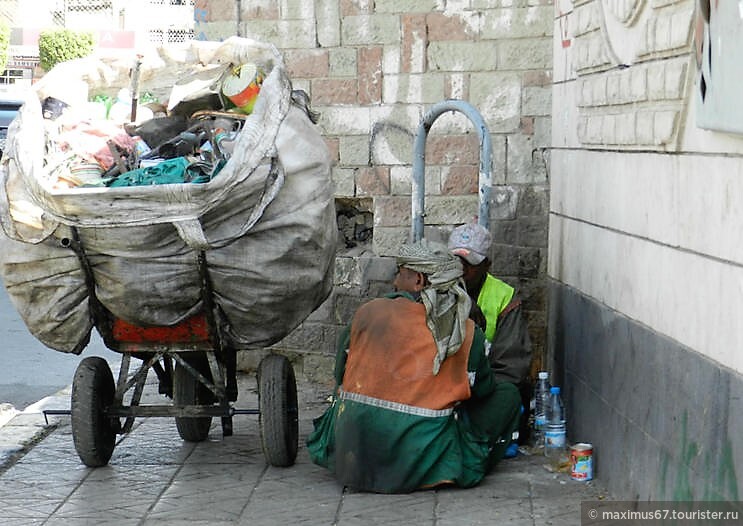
(372, 69)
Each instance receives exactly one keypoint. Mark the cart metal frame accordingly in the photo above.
(195, 365)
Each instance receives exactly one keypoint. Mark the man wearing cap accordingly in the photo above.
(416, 402)
(510, 353)
(505, 329)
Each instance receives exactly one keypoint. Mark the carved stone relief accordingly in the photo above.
(633, 59)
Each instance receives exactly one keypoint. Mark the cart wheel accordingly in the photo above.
(187, 390)
(279, 415)
(93, 434)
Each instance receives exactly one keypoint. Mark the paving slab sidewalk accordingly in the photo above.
(155, 478)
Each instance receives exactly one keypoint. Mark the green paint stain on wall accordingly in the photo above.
(720, 480)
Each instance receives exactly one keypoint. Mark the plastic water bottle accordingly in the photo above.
(554, 433)
(541, 399)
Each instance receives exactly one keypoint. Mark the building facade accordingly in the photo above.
(645, 257)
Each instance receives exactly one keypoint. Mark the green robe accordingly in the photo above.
(376, 443)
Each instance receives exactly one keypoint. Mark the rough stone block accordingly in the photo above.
(537, 101)
(342, 62)
(387, 240)
(401, 180)
(533, 200)
(392, 211)
(344, 182)
(306, 337)
(328, 24)
(504, 201)
(527, 125)
(261, 9)
(356, 7)
(413, 45)
(370, 29)
(354, 150)
(345, 307)
(525, 54)
(525, 164)
(391, 144)
(460, 180)
(449, 210)
(498, 98)
(373, 181)
(425, 88)
(348, 273)
(334, 91)
(537, 78)
(453, 149)
(542, 132)
(462, 25)
(351, 120)
(457, 86)
(284, 34)
(324, 313)
(533, 231)
(319, 368)
(405, 6)
(370, 75)
(509, 260)
(512, 22)
(505, 231)
(297, 9)
(463, 56)
(215, 31)
(378, 269)
(307, 63)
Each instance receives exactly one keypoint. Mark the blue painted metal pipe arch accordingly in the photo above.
(419, 162)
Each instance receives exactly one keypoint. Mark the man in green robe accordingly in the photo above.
(416, 403)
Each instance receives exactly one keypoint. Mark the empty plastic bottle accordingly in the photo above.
(554, 433)
(541, 399)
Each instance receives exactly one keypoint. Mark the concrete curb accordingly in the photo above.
(27, 428)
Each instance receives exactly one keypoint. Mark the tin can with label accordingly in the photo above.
(581, 461)
(243, 85)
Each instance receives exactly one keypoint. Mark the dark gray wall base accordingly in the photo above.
(666, 422)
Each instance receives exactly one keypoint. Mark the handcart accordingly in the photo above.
(195, 367)
(178, 274)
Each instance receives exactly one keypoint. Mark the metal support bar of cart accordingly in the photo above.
(419, 163)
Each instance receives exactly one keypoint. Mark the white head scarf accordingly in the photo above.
(445, 298)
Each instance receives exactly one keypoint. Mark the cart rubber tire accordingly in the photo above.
(187, 390)
(93, 389)
(279, 415)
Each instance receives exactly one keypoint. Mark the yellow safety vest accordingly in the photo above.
(494, 296)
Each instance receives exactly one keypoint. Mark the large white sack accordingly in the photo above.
(265, 224)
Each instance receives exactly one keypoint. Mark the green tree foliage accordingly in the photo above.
(58, 45)
(4, 44)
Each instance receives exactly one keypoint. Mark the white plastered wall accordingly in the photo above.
(654, 235)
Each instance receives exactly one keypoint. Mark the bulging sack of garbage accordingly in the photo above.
(263, 228)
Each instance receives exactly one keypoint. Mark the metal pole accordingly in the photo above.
(419, 163)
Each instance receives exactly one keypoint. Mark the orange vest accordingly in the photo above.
(391, 357)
